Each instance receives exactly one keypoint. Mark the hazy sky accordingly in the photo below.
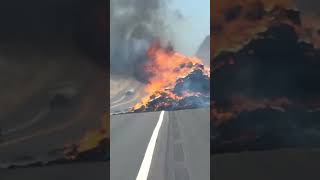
(189, 32)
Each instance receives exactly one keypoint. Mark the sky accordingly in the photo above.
(190, 32)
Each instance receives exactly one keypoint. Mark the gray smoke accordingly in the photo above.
(204, 51)
(134, 25)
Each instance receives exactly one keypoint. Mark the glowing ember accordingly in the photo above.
(176, 81)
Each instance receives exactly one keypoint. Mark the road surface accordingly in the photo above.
(181, 149)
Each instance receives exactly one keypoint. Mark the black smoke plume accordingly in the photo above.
(134, 26)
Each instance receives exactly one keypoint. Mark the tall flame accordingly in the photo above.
(165, 67)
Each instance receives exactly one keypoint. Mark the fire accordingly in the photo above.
(246, 104)
(251, 110)
(234, 24)
(92, 139)
(166, 67)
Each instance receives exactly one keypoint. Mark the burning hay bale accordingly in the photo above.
(191, 91)
(176, 82)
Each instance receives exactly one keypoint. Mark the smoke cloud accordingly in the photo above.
(135, 24)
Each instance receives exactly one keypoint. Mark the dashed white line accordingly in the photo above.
(145, 165)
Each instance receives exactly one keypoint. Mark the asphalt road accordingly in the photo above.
(181, 149)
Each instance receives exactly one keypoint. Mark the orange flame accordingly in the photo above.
(246, 104)
(248, 18)
(166, 67)
(89, 141)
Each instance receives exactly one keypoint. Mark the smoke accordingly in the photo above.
(135, 24)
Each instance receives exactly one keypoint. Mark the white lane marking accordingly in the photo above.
(145, 165)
